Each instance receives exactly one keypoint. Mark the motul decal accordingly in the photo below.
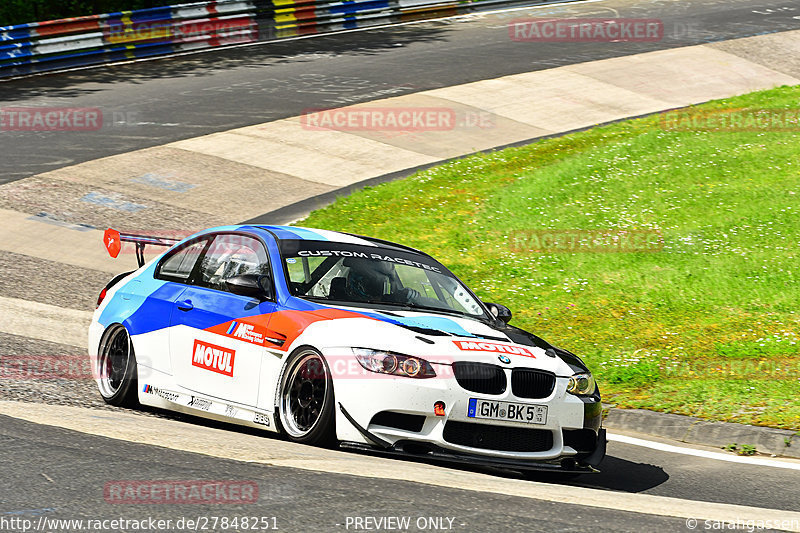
(213, 357)
(479, 346)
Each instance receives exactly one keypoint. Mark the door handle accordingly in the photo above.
(185, 305)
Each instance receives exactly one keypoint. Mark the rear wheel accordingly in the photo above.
(116, 369)
(306, 403)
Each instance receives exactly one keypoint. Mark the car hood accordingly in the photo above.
(440, 339)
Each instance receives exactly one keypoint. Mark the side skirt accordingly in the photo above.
(204, 407)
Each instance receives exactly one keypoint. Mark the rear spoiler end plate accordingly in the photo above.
(113, 240)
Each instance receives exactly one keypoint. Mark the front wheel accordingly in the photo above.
(306, 403)
(116, 369)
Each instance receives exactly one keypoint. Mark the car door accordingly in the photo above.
(172, 276)
(216, 336)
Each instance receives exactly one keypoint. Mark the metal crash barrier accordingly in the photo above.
(107, 38)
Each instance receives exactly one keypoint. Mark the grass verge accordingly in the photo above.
(704, 323)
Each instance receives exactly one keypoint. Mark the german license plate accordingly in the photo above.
(507, 411)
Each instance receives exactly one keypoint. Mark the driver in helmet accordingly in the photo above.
(371, 281)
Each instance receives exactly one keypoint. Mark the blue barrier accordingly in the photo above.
(84, 41)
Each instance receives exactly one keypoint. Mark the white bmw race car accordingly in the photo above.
(333, 338)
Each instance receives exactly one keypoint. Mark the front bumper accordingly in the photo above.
(570, 435)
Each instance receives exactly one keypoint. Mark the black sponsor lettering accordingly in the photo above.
(200, 403)
(261, 419)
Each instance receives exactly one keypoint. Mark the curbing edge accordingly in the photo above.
(693, 430)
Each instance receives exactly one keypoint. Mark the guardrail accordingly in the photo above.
(91, 40)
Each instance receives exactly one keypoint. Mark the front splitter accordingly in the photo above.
(435, 453)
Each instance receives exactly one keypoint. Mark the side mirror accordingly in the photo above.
(500, 312)
(253, 285)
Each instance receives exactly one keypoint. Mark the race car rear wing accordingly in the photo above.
(113, 240)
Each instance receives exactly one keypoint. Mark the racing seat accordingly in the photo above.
(338, 289)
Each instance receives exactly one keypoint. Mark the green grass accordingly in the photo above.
(706, 326)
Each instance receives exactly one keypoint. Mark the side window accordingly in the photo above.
(304, 270)
(179, 264)
(300, 269)
(232, 255)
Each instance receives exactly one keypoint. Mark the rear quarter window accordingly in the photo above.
(179, 264)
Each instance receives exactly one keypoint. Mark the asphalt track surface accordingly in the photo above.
(69, 485)
(68, 479)
(60, 474)
(154, 102)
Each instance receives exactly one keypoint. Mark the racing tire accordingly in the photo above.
(306, 407)
(116, 369)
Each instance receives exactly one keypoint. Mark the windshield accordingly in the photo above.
(376, 276)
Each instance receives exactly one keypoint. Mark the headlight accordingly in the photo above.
(393, 363)
(581, 384)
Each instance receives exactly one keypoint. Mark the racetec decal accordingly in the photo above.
(213, 357)
(363, 255)
(494, 347)
(167, 395)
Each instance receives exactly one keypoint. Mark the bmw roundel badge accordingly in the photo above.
(504, 359)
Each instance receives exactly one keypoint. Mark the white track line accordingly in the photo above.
(701, 453)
